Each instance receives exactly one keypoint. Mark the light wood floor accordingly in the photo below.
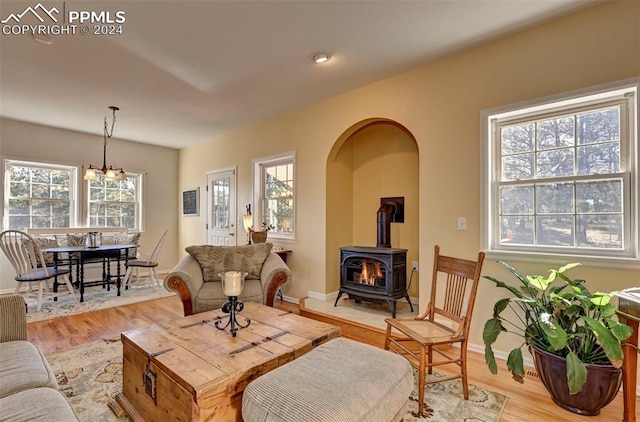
(527, 402)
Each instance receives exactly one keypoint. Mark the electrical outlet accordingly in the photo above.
(414, 266)
(462, 223)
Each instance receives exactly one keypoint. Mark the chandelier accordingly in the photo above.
(108, 172)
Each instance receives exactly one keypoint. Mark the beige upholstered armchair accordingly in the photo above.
(28, 387)
(195, 278)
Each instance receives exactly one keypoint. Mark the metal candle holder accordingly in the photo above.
(232, 307)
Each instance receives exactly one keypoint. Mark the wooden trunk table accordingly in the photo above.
(188, 370)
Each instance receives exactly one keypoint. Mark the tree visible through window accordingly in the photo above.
(114, 203)
(39, 195)
(584, 212)
(562, 177)
(277, 187)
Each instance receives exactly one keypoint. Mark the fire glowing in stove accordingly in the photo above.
(371, 273)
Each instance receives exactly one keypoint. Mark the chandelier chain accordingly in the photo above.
(113, 123)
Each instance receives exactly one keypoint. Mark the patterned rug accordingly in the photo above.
(445, 401)
(94, 298)
(91, 375)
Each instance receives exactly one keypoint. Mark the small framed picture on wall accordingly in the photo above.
(191, 202)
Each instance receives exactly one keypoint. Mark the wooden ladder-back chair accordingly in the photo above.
(149, 264)
(26, 257)
(446, 321)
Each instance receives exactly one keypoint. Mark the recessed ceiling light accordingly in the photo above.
(321, 57)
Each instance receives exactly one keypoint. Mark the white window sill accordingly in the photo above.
(561, 259)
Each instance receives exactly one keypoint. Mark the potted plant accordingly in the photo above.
(261, 236)
(567, 329)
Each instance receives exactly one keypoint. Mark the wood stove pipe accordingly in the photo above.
(385, 212)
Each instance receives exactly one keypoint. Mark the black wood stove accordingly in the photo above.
(375, 274)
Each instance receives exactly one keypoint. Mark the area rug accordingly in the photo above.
(90, 375)
(94, 298)
(444, 401)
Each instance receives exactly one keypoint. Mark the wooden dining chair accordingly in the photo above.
(149, 264)
(26, 257)
(445, 322)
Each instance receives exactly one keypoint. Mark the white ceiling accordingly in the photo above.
(186, 71)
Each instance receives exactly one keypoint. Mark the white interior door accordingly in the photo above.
(221, 208)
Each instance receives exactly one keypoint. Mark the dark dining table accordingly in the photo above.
(79, 255)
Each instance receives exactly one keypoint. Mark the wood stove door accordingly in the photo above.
(364, 273)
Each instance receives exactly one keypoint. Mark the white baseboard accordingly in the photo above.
(291, 299)
(499, 354)
(322, 296)
(10, 291)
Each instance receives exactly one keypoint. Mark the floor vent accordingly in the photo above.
(532, 373)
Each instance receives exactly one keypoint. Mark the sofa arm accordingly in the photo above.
(274, 274)
(185, 279)
(13, 324)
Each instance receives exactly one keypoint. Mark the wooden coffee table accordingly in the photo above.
(188, 370)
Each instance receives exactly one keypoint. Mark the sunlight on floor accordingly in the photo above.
(371, 314)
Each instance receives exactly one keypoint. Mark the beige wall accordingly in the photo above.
(339, 209)
(159, 166)
(379, 161)
(439, 104)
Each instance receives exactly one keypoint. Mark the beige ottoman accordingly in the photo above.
(339, 381)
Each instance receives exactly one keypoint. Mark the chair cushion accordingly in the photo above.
(210, 295)
(77, 239)
(47, 242)
(219, 259)
(128, 239)
(41, 274)
(341, 380)
(22, 366)
(36, 405)
(108, 239)
(141, 263)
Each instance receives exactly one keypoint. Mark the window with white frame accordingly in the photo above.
(115, 203)
(275, 190)
(561, 175)
(39, 195)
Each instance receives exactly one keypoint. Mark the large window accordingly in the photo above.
(39, 195)
(561, 176)
(275, 187)
(115, 203)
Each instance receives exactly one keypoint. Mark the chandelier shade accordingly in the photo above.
(109, 172)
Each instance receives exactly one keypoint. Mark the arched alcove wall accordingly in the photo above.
(375, 158)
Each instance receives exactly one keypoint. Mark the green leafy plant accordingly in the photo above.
(558, 315)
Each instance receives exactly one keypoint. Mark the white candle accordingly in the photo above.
(232, 283)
